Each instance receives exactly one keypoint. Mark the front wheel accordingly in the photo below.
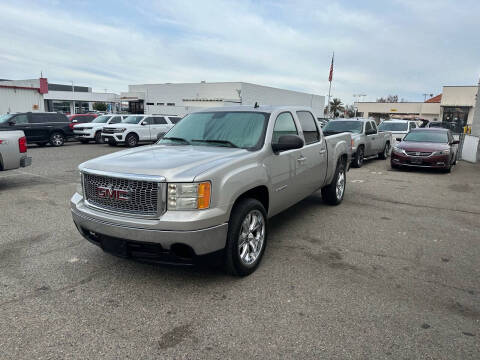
(98, 137)
(247, 237)
(131, 140)
(333, 194)
(57, 139)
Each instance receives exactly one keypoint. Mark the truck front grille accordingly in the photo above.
(108, 130)
(132, 197)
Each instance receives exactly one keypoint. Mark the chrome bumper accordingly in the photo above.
(203, 241)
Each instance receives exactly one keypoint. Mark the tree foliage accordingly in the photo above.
(99, 106)
(336, 106)
(388, 99)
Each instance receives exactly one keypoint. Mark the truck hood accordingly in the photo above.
(174, 162)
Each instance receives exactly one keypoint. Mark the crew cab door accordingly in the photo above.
(283, 166)
(312, 165)
(371, 135)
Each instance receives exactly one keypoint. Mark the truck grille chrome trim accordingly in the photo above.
(127, 195)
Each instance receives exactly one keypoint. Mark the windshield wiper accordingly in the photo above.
(177, 139)
(224, 142)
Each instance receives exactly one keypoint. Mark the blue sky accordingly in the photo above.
(402, 47)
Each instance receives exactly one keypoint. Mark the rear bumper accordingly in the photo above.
(25, 161)
(437, 162)
(201, 242)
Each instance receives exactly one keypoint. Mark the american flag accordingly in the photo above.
(330, 76)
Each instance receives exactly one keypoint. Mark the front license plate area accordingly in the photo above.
(416, 161)
(115, 246)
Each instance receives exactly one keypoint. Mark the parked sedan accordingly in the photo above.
(426, 147)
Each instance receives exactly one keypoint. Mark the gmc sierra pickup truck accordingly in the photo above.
(13, 150)
(209, 185)
(367, 141)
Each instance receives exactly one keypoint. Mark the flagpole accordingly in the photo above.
(328, 104)
(330, 77)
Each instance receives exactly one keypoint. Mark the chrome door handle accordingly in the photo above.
(301, 159)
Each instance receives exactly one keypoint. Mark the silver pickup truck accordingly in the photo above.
(13, 150)
(209, 185)
(367, 141)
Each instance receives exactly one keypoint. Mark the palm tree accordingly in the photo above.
(336, 106)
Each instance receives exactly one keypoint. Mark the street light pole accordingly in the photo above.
(73, 98)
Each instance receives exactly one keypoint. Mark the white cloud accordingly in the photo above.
(404, 47)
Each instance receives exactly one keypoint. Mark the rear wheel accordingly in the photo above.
(333, 194)
(131, 140)
(57, 139)
(98, 137)
(386, 151)
(247, 237)
(359, 157)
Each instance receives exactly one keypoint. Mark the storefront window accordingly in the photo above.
(61, 106)
(455, 118)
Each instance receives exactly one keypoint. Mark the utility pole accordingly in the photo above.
(73, 98)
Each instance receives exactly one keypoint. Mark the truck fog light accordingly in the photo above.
(188, 196)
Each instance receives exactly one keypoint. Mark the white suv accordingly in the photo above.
(398, 128)
(138, 128)
(93, 130)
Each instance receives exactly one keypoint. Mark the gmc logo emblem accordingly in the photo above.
(111, 193)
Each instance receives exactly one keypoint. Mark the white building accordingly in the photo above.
(38, 95)
(179, 99)
(455, 106)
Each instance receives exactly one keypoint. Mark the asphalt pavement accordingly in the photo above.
(392, 272)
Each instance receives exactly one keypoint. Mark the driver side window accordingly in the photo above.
(284, 125)
(20, 119)
(148, 121)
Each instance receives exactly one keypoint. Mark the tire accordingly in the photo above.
(131, 140)
(386, 151)
(57, 139)
(244, 214)
(98, 137)
(359, 157)
(83, 141)
(333, 194)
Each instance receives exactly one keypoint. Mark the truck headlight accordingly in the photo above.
(442, 152)
(80, 183)
(120, 130)
(188, 196)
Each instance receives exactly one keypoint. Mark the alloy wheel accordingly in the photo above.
(251, 238)
(340, 186)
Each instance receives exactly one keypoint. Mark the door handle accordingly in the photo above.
(301, 159)
(323, 151)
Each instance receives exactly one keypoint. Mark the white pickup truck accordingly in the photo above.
(13, 150)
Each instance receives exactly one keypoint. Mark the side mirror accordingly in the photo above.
(370, 132)
(287, 142)
(11, 122)
(143, 123)
(399, 139)
(455, 142)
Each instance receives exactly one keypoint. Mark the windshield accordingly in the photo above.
(233, 129)
(101, 119)
(5, 118)
(335, 127)
(393, 126)
(132, 119)
(427, 136)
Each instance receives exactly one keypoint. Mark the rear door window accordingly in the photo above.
(115, 120)
(413, 125)
(148, 120)
(174, 120)
(309, 127)
(159, 120)
(284, 125)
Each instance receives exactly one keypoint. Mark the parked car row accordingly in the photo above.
(57, 128)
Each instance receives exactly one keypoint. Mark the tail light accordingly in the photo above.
(22, 144)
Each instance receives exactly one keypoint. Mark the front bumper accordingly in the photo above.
(83, 134)
(437, 161)
(117, 137)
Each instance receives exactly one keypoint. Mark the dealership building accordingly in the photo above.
(455, 106)
(40, 95)
(182, 98)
